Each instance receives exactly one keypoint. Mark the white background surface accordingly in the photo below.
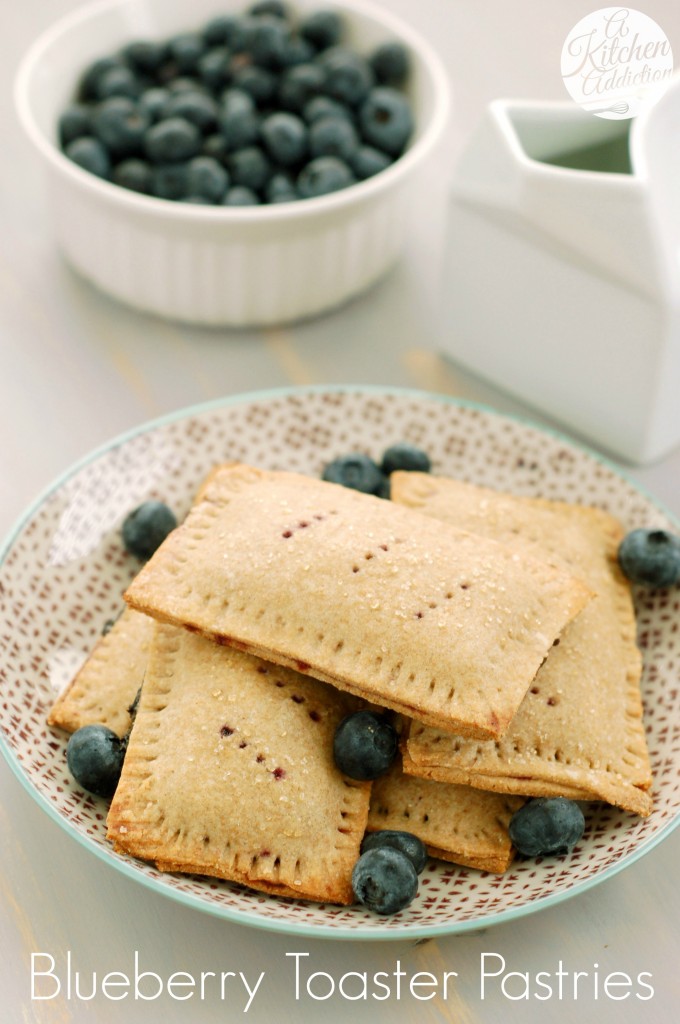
(76, 369)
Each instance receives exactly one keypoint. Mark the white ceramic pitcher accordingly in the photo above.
(564, 280)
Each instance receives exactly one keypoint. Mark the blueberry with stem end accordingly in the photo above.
(650, 557)
(94, 756)
(364, 745)
(384, 880)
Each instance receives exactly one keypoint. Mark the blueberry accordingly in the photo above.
(239, 195)
(280, 188)
(547, 825)
(153, 101)
(300, 84)
(172, 140)
(269, 41)
(384, 880)
(650, 557)
(145, 55)
(134, 174)
(238, 119)
(364, 745)
(118, 81)
(88, 88)
(169, 181)
(333, 136)
(269, 8)
(214, 68)
(408, 844)
(74, 122)
(94, 756)
(385, 120)
(185, 51)
(407, 457)
(357, 471)
(206, 178)
(249, 167)
(348, 75)
(227, 30)
(297, 51)
(391, 63)
(146, 527)
(184, 83)
(323, 175)
(259, 82)
(121, 125)
(285, 137)
(196, 107)
(90, 154)
(367, 161)
(321, 28)
(324, 106)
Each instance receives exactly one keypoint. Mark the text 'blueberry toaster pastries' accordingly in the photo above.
(381, 601)
(579, 731)
(229, 773)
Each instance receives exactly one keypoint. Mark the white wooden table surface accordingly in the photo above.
(77, 369)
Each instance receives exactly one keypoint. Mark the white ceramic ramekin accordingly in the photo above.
(218, 265)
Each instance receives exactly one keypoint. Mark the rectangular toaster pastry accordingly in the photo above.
(378, 600)
(229, 773)
(579, 732)
(104, 688)
(457, 823)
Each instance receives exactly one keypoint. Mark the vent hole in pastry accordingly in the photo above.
(556, 642)
(287, 534)
(339, 646)
(344, 831)
(303, 523)
(465, 585)
(368, 556)
(206, 840)
(419, 615)
(225, 731)
(426, 817)
(534, 689)
(260, 758)
(432, 604)
(315, 716)
(551, 701)
(298, 698)
(384, 547)
(242, 745)
(279, 683)
(355, 568)
(406, 813)
(279, 773)
(262, 670)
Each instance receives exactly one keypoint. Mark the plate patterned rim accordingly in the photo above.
(318, 422)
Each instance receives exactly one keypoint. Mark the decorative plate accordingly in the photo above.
(63, 571)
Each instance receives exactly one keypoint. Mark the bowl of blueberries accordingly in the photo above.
(233, 165)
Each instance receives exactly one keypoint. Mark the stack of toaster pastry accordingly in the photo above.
(484, 622)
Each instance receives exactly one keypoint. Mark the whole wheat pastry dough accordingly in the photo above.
(579, 732)
(378, 600)
(107, 684)
(457, 823)
(229, 773)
